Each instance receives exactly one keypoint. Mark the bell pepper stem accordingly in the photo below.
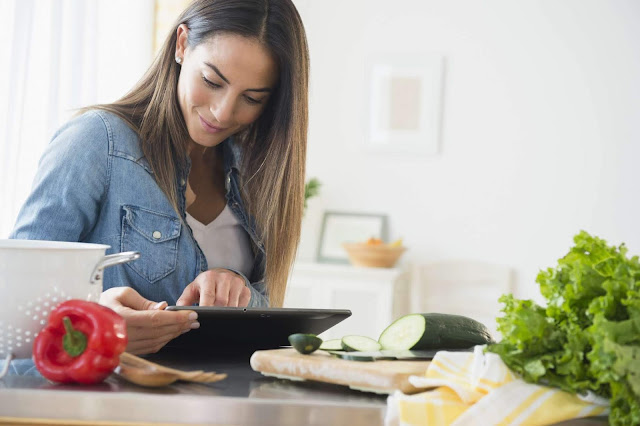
(74, 342)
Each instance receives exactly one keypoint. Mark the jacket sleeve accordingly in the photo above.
(70, 183)
(259, 297)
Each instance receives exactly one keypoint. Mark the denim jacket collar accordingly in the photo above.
(232, 154)
(232, 158)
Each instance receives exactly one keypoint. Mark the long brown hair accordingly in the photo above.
(273, 147)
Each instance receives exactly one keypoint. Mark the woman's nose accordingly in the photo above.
(223, 109)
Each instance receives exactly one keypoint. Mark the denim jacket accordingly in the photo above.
(94, 185)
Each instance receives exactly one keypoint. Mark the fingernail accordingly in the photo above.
(195, 325)
(159, 304)
(193, 315)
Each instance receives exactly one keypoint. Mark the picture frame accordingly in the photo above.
(404, 103)
(339, 227)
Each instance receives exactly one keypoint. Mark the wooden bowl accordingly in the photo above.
(376, 256)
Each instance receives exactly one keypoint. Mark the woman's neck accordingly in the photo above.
(202, 155)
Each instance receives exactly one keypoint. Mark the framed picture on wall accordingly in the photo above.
(342, 227)
(404, 103)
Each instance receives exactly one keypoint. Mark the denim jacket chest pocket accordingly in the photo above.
(155, 235)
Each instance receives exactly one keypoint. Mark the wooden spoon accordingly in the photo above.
(146, 373)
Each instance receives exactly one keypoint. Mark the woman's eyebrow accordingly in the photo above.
(264, 89)
(217, 71)
(213, 67)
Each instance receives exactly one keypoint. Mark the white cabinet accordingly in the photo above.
(375, 296)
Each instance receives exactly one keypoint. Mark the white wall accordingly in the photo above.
(540, 130)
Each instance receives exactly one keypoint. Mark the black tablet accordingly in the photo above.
(253, 328)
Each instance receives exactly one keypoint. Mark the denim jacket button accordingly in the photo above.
(157, 235)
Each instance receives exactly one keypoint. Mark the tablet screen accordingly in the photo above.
(254, 328)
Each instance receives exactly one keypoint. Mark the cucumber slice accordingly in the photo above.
(331, 345)
(359, 343)
(305, 343)
(434, 331)
(403, 333)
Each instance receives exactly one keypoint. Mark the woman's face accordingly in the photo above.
(224, 85)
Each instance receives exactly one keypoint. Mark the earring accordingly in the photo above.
(179, 59)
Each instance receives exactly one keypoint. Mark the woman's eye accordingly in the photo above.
(210, 83)
(252, 101)
(213, 85)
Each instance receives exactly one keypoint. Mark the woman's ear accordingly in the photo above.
(181, 42)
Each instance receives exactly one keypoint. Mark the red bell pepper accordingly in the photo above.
(82, 343)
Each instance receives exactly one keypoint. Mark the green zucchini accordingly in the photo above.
(434, 331)
(331, 345)
(305, 343)
(359, 343)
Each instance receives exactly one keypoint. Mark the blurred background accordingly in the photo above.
(513, 126)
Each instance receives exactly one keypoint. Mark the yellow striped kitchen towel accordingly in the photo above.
(477, 388)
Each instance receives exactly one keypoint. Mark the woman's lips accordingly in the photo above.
(209, 128)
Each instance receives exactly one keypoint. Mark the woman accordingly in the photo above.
(200, 168)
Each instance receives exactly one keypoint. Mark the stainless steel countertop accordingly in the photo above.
(244, 397)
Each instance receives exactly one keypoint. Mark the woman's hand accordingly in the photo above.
(216, 287)
(149, 326)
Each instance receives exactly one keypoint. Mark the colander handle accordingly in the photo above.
(112, 260)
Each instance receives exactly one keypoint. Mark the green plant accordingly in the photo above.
(311, 189)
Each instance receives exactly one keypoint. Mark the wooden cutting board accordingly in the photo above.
(375, 376)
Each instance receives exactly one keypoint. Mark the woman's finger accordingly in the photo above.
(167, 331)
(208, 288)
(245, 297)
(234, 292)
(190, 294)
(160, 306)
(223, 285)
(154, 319)
(126, 296)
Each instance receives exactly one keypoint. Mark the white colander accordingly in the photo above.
(35, 276)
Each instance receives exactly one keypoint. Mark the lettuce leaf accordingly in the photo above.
(587, 338)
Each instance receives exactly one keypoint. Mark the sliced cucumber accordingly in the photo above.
(434, 331)
(331, 345)
(403, 333)
(359, 343)
(305, 343)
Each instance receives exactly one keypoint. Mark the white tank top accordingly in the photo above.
(224, 242)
